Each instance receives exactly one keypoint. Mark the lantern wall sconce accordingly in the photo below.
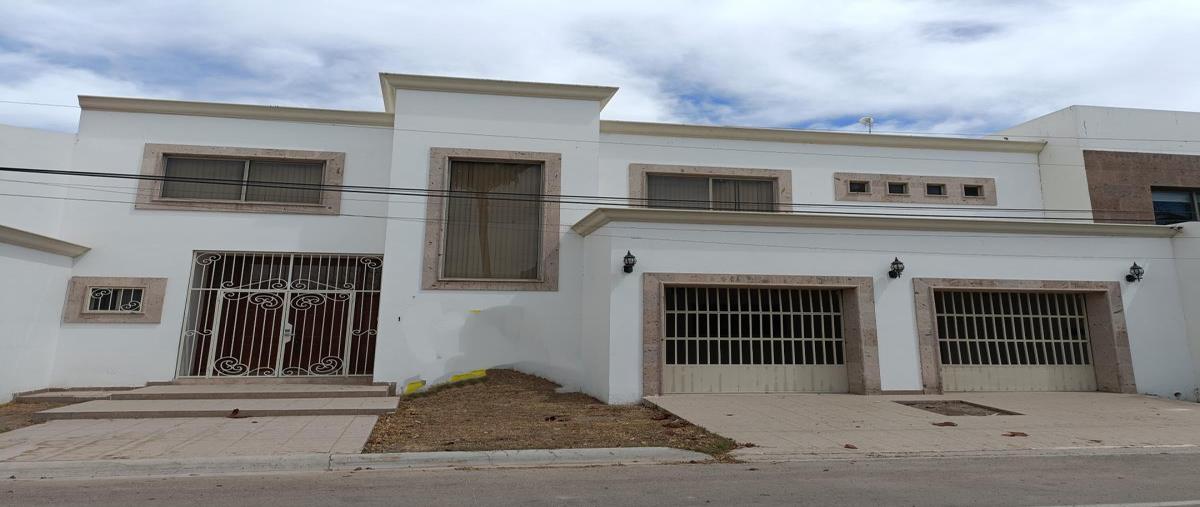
(1135, 273)
(897, 268)
(629, 260)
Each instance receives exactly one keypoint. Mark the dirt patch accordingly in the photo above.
(512, 410)
(955, 407)
(19, 415)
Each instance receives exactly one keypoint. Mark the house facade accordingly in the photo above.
(479, 223)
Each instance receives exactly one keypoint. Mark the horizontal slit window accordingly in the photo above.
(700, 192)
(243, 180)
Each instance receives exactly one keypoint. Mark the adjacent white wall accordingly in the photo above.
(35, 283)
(1154, 315)
(1069, 131)
(158, 243)
(33, 149)
(1187, 254)
(36, 280)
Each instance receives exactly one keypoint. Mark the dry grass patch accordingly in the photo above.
(512, 410)
(20, 414)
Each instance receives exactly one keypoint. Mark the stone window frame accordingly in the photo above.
(435, 213)
(638, 174)
(153, 293)
(154, 158)
(1112, 360)
(878, 189)
(861, 340)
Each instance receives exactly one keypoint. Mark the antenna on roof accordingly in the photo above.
(868, 121)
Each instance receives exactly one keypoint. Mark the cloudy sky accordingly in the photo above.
(926, 66)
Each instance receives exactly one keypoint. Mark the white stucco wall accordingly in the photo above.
(35, 283)
(1154, 315)
(27, 148)
(1187, 253)
(432, 334)
(159, 243)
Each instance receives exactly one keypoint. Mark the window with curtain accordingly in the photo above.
(493, 221)
(703, 192)
(246, 180)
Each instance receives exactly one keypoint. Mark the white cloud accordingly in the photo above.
(928, 65)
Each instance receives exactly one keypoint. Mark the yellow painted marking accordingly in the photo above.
(468, 375)
(414, 386)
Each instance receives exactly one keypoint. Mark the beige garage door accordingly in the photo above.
(1013, 341)
(752, 339)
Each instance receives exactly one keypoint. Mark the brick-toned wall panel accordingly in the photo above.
(1119, 182)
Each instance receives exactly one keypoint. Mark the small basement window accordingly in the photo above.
(114, 299)
(897, 188)
(972, 190)
(859, 187)
(935, 189)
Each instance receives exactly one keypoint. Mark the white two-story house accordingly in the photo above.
(477, 223)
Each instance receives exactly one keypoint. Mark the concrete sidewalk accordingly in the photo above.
(174, 438)
(807, 426)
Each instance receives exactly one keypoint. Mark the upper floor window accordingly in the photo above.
(245, 180)
(1174, 206)
(223, 178)
(703, 192)
(492, 220)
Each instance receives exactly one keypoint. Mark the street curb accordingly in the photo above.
(519, 458)
(25, 470)
(749, 456)
(162, 467)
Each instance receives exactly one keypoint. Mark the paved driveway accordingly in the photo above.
(784, 426)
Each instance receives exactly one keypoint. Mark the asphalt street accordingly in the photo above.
(1158, 480)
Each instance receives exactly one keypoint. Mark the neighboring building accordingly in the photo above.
(431, 239)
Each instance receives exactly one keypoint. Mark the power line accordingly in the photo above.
(678, 240)
(576, 199)
(965, 135)
(735, 231)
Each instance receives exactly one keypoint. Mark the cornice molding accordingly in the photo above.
(602, 216)
(814, 137)
(242, 111)
(18, 237)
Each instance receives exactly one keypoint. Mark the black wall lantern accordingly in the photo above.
(897, 268)
(629, 261)
(1135, 273)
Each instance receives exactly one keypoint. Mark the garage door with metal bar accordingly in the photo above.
(752, 339)
(1013, 341)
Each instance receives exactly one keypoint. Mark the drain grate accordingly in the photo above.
(955, 407)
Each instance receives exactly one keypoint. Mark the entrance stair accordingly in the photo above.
(219, 400)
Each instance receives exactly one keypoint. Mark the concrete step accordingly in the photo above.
(251, 391)
(66, 395)
(266, 407)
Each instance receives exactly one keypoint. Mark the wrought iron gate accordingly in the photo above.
(280, 314)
